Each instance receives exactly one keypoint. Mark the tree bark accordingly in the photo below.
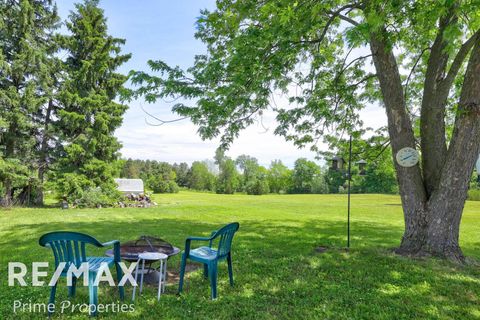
(400, 130)
(446, 204)
(432, 223)
(432, 115)
(437, 85)
(7, 200)
(43, 161)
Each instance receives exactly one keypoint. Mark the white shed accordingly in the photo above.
(128, 186)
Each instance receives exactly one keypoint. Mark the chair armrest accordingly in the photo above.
(116, 249)
(199, 238)
(190, 239)
(109, 243)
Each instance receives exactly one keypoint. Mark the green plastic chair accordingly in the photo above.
(69, 247)
(210, 256)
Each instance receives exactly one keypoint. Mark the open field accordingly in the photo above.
(277, 273)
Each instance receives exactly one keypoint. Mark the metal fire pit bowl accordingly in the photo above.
(130, 250)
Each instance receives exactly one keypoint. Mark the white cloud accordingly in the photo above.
(179, 141)
(374, 117)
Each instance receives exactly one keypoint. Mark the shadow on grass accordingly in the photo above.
(277, 273)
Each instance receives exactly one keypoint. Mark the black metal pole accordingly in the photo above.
(349, 180)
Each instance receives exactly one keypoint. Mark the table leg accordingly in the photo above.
(136, 282)
(160, 282)
(164, 275)
(141, 276)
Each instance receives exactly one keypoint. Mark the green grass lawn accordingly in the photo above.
(277, 272)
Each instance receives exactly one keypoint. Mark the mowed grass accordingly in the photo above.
(277, 273)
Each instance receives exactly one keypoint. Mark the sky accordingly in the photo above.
(164, 30)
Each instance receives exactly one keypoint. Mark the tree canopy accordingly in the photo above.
(331, 59)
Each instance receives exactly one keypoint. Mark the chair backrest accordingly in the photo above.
(226, 236)
(68, 246)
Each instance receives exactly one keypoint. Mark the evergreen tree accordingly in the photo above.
(90, 114)
(26, 87)
(47, 142)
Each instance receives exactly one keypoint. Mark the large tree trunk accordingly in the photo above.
(432, 211)
(447, 202)
(410, 181)
(39, 194)
(43, 161)
(7, 200)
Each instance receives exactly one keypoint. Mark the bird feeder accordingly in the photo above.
(337, 163)
(362, 164)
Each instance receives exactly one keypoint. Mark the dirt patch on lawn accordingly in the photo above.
(321, 249)
(174, 276)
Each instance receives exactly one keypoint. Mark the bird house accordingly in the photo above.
(362, 165)
(337, 163)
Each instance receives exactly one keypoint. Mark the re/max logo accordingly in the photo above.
(17, 272)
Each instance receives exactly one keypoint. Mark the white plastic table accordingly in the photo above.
(152, 257)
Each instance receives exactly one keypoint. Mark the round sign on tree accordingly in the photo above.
(407, 157)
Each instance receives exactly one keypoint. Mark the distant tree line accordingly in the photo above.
(58, 94)
(244, 174)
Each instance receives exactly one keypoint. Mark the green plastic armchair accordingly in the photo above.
(210, 256)
(69, 247)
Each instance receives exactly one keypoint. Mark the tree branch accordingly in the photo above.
(348, 19)
(434, 98)
(458, 61)
(345, 67)
(412, 70)
(161, 122)
(338, 13)
(366, 78)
